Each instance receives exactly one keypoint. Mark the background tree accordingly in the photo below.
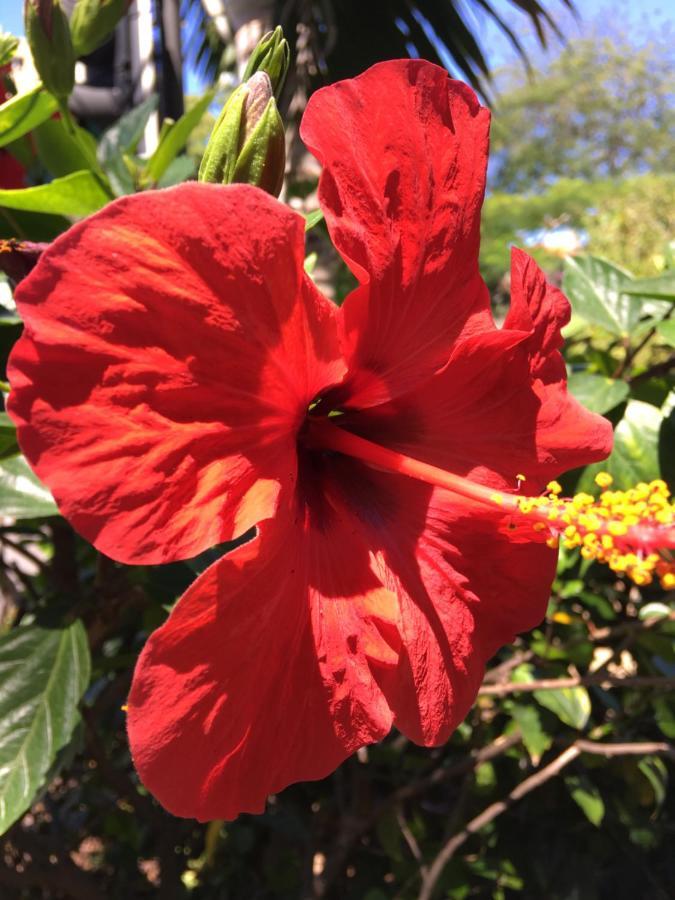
(602, 108)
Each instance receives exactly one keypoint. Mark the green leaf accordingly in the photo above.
(654, 610)
(587, 797)
(8, 47)
(24, 112)
(661, 288)
(667, 331)
(313, 218)
(535, 739)
(596, 392)
(595, 288)
(22, 494)
(43, 674)
(120, 140)
(124, 135)
(78, 194)
(664, 715)
(181, 169)
(635, 456)
(656, 773)
(571, 705)
(59, 151)
(8, 444)
(174, 139)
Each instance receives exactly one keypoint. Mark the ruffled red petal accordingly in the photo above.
(172, 344)
(266, 673)
(465, 587)
(500, 406)
(404, 151)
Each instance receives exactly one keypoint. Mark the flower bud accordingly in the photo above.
(272, 56)
(247, 143)
(48, 35)
(93, 21)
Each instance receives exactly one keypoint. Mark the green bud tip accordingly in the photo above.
(271, 55)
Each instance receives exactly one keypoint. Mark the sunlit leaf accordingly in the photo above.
(535, 739)
(595, 289)
(43, 674)
(667, 331)
(313, 218)
(635, 456)
(24, 112)
(571, 705)
(22, 494)
(79, 194)
(587, 797)
(662, 287)
(596, 392)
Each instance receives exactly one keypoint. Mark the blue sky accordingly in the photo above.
(599, 15)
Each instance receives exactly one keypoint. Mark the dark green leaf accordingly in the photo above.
(78, 194)
(43, 674)
(8, 444)
(22, 494)
(571, 705)
(656, 773)
(174, 139)
(635, 455)
(595, 289)
(664, 715)
(24, 112)
(596, 392)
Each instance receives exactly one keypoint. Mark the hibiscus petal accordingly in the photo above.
(404, 150)
(465, 585)
(266, 673)
(172, 344)
(500, 406)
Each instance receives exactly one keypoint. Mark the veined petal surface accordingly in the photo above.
(500, 406)
(404, 152)
(172, 344)
(266, 671)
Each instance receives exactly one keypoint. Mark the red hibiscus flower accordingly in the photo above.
(180, 380)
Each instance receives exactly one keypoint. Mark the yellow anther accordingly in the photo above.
(617, 528)
(668, 581)
(497, 498)
(521, 478)
(603, 479)
(553, 487)
(552, 542)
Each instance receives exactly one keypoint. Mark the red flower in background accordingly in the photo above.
(180, 379)
(12, 173)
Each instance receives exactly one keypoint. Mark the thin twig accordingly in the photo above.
(525, 787)
(599, 679)
(411, 841)
(490, 813)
